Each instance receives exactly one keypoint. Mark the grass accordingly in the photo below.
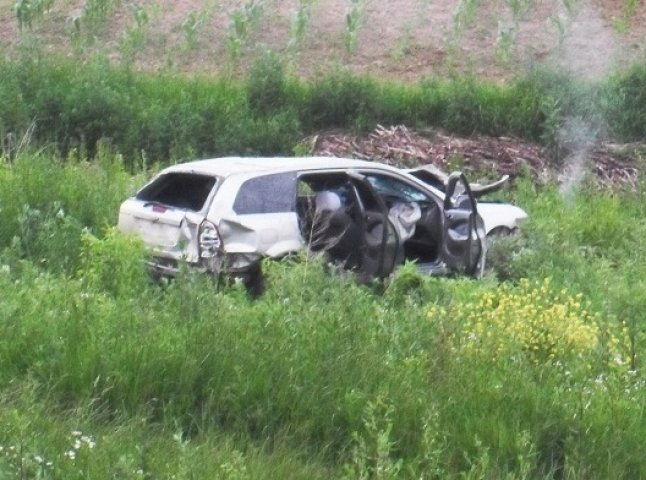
(533, 372)
(169, 116)
(105, 373)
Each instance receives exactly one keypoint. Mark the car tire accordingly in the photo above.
(254, 280)
(500, 232)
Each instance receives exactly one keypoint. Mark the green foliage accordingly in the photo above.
(29, 10)
(193, 25)
(353, 20)
(341, 100)
(243, 22)
(107, 375)
(170, 116)
(114, 264)
(46, 204)
(628, 14)
(134, 36)
(320, 377)
(300, 22)
(267, 85)
(625, 100)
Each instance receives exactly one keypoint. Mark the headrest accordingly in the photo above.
(327, 201)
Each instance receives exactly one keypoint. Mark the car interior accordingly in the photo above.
(336, 218)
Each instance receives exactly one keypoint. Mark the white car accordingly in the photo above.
(224, 215)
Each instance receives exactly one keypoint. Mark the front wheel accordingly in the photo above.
(500, 232)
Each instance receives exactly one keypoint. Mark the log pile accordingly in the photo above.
(399, 146)
(613, 169)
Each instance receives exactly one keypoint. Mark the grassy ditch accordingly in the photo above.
(105, 373)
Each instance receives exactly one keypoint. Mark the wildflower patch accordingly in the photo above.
(531, 322)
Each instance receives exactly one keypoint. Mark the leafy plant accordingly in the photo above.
(243, 22)
(27, 11)
(194, 24)
(353, 21)
(300, 23)
(135, 35)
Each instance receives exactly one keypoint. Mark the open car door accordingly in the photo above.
(381, 249)
(463, 245)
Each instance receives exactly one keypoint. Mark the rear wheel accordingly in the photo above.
(253, 280)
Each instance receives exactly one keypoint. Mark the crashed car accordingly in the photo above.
(224, 215)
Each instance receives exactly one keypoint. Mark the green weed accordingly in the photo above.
(300, 23)
(194, 24)
(353, 21)
(243, 23)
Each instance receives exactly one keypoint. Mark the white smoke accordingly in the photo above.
(589, 51)
(577, 137)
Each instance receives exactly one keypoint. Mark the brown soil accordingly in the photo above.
(397, 39)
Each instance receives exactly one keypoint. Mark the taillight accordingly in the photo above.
(209, 240)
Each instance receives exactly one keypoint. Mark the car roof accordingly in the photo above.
(228, 166)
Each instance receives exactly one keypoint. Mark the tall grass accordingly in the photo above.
(172, 116)
(320, 377)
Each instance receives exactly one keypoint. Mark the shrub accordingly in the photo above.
(341, 100)
(625, 100)
(114, 264)
(266, 85)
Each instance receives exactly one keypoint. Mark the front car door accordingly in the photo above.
(463, 245)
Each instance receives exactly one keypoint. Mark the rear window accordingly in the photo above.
(188, 191)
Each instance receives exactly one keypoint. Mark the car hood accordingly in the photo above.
(503, 215)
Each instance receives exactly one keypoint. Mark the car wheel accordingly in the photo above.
(500, 232)
(254, 280)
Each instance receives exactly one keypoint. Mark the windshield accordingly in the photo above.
(396, 189)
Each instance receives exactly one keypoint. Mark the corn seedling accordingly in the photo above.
(194, 24)
(464, 15)
(135, 35)
(403, 45)
(29, 10)
(519, 7)
(300, 22)
(95, 15)
(243, 22)
(504, 43)
(628, 13)
(353, 20)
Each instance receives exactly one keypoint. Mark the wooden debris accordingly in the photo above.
(397, 145)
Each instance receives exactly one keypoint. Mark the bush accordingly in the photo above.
(625, 100)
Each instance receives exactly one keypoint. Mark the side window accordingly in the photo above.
(394, 189)
(267, 194)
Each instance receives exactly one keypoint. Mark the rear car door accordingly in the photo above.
(463, 245)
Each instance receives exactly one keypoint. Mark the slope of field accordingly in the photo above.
(403, 39)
